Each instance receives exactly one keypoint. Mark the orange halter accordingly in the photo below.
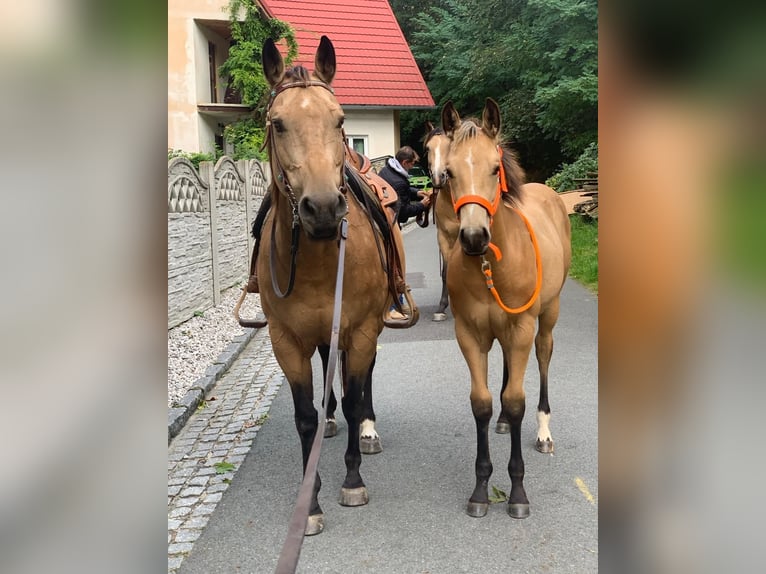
(502, 187)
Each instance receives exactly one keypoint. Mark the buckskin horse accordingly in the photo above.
(505, 273)
(436, 144)
(309, 202)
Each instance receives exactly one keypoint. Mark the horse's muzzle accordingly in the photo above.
(321, 215)
(474, 240)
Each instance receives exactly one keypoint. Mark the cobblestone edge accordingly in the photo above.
(179, 413)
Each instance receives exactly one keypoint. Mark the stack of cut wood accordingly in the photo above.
(589, 207)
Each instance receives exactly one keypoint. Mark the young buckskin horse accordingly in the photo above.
(505, 273)
(309, 200)
(437, 144)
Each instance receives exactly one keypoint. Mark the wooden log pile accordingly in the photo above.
(589, 207)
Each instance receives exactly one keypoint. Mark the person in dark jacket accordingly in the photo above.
(412, 201)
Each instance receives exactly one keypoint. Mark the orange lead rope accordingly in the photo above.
(485, 268)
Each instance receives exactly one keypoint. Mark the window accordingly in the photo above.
(213, 74)
(358, 144)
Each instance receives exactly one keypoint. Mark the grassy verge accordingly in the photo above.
(739, 235)
(584, 251)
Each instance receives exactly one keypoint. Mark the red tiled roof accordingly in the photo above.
(374, 63)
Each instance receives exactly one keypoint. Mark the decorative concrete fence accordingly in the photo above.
(210, 214)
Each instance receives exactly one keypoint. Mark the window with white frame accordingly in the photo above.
(358, 144)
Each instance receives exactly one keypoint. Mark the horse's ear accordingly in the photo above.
(324, 61)
(273, 65)
(490, 118)
(429, 127)
(450, 118)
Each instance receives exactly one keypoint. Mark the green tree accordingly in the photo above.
(537, 58)
(249, 30)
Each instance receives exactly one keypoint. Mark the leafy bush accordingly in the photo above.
(196, 157)
(246, 136)
(564, 180)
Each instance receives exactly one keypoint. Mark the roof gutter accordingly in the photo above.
(378, 107)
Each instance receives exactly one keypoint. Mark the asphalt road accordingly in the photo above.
(415, 521)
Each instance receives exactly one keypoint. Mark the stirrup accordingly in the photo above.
(248, 323)
(409, 320)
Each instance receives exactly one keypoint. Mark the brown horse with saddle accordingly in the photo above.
(324, 202)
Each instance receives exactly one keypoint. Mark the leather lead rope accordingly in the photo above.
(291, 549)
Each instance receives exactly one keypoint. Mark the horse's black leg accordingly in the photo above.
(331, 426)
(369, 440)
(503, 425)
(479, 501)
(353, 492)
(544, 351)
(514, 404)
(306, 423)
(518, 504)
(440, 314)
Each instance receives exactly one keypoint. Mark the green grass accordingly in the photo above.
(739, 235)
(584, 251)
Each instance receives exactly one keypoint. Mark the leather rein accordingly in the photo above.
(291, 549)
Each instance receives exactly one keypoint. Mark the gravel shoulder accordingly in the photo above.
(195, 344)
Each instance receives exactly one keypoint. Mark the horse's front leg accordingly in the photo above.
(503, 425)
(355, 370)
(331, 425)
(481, 405)
(517, 347)
(441, 314)
(297, 369)
(369, 440)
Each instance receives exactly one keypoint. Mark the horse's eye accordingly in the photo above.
(340, 122)
(496, 170)
(278, 126)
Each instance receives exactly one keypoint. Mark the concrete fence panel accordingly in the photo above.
(210, 215)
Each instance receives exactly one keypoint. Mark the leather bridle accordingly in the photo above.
(282, 183)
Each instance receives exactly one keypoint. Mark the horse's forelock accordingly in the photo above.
(430, 135)
(467, 130)
(298, 74)
(514, 174)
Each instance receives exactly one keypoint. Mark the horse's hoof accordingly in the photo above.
(330, 429)
(370, 445)
(518, 510)
(440, 317)
(502, 427)
(354, 496)
(476, 509)
(544, 446)
(314, 525)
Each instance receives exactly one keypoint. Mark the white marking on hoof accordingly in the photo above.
(543, 432)
(440, 317)
(367, 430)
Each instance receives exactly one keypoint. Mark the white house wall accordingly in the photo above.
(378, 125)
(188, 78)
